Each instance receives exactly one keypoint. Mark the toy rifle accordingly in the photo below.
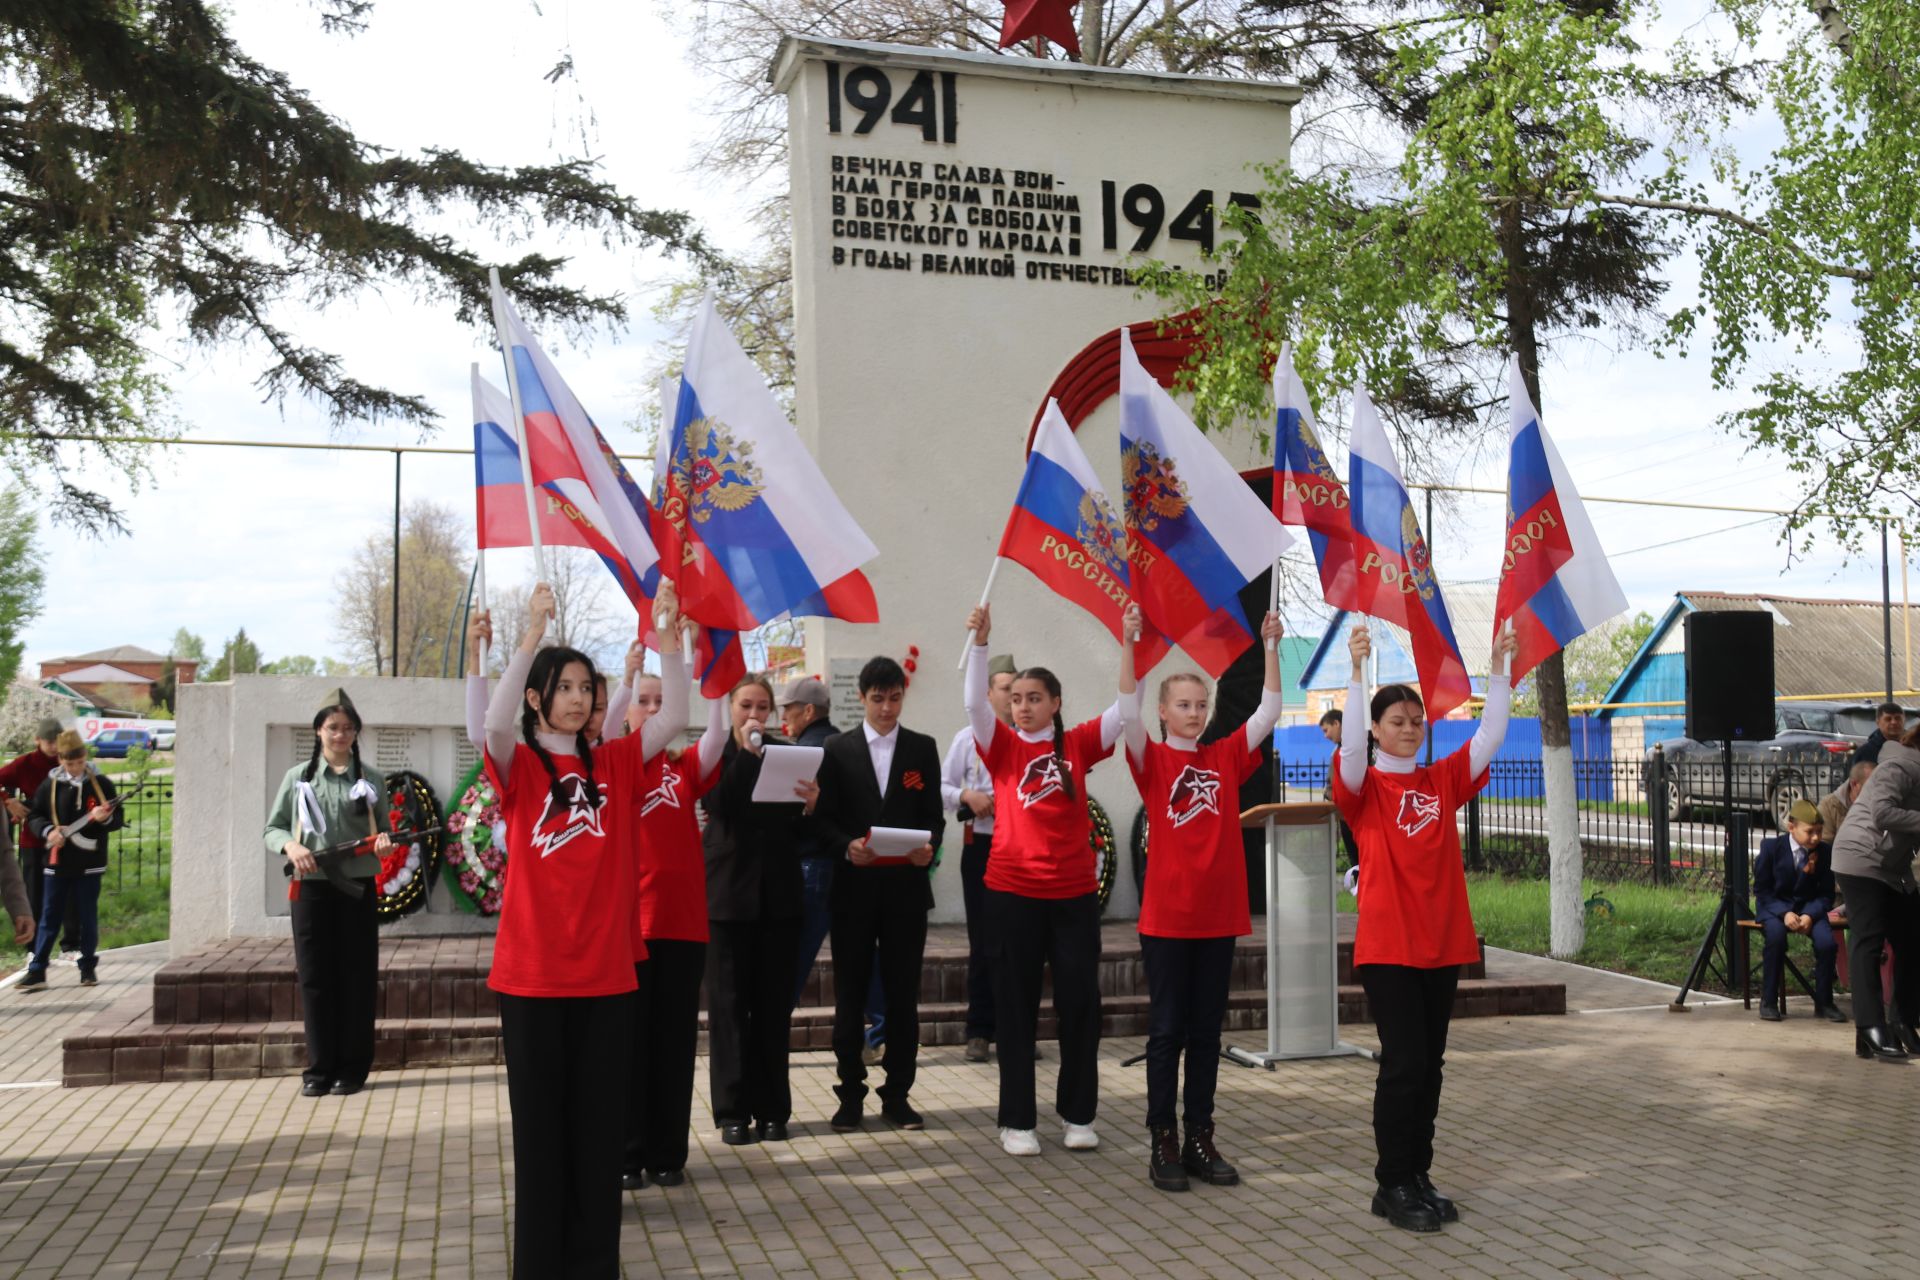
(71, 829)
(333, 856)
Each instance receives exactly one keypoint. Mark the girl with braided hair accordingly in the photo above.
(564, 959)
(1043, 899)
(331, 799)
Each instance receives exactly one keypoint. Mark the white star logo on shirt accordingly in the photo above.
(583, 816)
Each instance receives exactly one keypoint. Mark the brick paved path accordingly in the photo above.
(1632, 1143)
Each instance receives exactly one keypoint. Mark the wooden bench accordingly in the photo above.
(1750, 927)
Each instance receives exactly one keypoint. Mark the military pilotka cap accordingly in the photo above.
(1001, 664)
(47, 730)
(1803, 811)
(337, 698)
(806, 691)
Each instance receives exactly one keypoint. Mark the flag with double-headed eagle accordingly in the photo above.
(1555, 582)
(1393, 571)
(1306, 489)
(1196, 533)
(749, 529)
(1063, 528)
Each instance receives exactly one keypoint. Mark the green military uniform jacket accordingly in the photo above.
(331, 793)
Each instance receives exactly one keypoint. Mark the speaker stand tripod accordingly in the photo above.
(1722, 952)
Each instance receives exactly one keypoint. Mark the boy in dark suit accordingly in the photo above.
(1793, 891)
(879, 775)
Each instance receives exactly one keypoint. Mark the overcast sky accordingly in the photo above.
(223, 538)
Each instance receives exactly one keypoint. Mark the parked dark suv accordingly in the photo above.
(1805, 759)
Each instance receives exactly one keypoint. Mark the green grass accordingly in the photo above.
(1650, 932)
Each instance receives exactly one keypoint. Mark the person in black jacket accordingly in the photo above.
(75, 792)
(1793, 891)
(753, 901)
(1889, 724)
(879, 775)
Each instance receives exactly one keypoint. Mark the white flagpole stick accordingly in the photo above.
(519, 423)
(985, 592)
(1273, 601)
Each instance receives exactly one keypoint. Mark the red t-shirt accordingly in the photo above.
(1413, 882)
(1196, 861)
(567, 912)
(1040, 837)
(673, 869)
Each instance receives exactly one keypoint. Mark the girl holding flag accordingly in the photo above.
(1194, 903)
(1414, 930)
(1042, 895)
(672, 921)
(563, 962)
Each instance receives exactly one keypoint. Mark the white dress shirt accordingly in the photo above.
(880, 746)
(963, 770)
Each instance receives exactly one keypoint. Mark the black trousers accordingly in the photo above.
(336, 950)
(1878, 914)
(666, 1034)
(566, 1081)
(1031, 934)
(1773, 956)
(899, 932)
(973, 893)
(749, 1010)
(1411, 1009)
(1187, 981)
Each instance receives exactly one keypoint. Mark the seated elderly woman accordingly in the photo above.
(1873, 865)
(1792, 893)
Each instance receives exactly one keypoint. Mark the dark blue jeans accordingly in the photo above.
(816, 918)
(75, 899)
(1773, 955)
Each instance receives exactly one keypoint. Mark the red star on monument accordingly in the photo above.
(1052, 19)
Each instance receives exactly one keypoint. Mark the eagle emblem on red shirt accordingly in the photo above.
(1041, 779)
(1195, 792)
(582, 816)
(667, 793)
(1418, 811)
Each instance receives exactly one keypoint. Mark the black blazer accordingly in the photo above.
(752, 850)
(1778, 888)
(850, 806)
(57, 804)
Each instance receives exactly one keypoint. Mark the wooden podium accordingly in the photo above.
(1303, 944)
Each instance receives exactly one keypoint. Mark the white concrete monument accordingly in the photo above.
(963, 225)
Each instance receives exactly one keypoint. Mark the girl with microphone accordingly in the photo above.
(1194, 903)
(1415, 930)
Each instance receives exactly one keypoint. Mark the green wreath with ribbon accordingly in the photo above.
(474, 864)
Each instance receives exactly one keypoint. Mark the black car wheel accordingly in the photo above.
(1676, 801)
(1787, 790)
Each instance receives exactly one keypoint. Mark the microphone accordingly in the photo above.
(754, 739)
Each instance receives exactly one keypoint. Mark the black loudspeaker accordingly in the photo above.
(1730, 676)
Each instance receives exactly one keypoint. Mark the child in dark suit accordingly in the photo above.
(1793, 891)
(879, 775)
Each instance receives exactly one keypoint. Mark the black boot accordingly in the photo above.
(1904, 1036)
(1442, 1207)
(1203, 1162)
(1163, 1160)
(1878, 1042)
(1402, 1205)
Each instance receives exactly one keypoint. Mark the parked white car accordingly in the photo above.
(163, 738)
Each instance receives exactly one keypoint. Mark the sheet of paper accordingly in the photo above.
(895, 843)
(781, 769)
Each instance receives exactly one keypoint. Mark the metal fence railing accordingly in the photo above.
(140, 853)
(1649, 821)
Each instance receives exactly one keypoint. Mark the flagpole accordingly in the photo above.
(480, 549)
(985, 592)
(1273, 601)
(519, 423)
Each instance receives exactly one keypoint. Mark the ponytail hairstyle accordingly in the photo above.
(1166, 686)
(1385, 699)
(348, 710)
(1051, 683)
(544, 679)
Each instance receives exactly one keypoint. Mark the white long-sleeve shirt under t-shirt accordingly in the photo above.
(1485, 744)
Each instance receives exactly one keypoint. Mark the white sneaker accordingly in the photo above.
(1081, 1137)
(1020, 1142)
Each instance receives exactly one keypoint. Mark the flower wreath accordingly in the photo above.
(1102, 846)
(475, 867)
(407, 869)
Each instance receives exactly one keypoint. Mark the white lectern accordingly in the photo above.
(1303, 943)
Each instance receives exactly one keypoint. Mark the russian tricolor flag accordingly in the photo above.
(1306, 489)
(1197, 535)
(1555, 582)
(1065, 531)
(1394, 574)
(500, 516)
(751, 529)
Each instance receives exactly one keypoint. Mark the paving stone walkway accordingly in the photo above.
(1635, 1143)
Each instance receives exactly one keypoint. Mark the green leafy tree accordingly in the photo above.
(298, 664)
(188, 645)
(150, 167)
(166, 690)
(1593, 662)
(22, 578)
(241, 656)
